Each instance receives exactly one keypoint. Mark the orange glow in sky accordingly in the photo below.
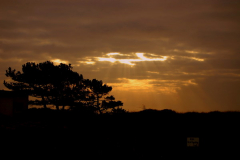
(139, 58)
(140, 48)
(58, 61)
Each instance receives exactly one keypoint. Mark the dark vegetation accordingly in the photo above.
(96, 126)
(146, 134)
(58, 85)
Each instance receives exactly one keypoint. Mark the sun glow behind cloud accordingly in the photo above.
(139, 58)
(58, 61)
(107, 59)
(151, 85)
(197, 59)
(111, 54)
(133, 58)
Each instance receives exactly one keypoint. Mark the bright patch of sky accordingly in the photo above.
(151, 85)
(58, 61)
(137, 57)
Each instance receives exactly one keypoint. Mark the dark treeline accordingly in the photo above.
(146, 134)
(96, 126)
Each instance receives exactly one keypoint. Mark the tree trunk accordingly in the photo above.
(99, 109)
(97, 101)
(44, 102)
(57, 106)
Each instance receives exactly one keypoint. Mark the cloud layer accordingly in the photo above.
(168, 54)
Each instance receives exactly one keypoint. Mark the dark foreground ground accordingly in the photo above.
(148, 134)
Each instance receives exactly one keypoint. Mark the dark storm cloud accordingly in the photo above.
(110, 25)
(200, 38)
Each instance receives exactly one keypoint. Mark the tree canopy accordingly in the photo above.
(60, 86)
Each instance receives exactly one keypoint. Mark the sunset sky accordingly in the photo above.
(182, 55)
